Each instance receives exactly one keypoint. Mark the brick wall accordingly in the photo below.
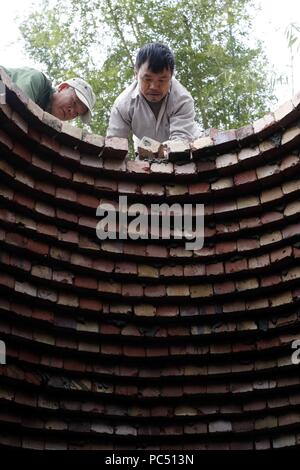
(143, 344)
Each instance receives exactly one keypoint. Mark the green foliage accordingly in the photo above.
(216, 58)
(293, 43)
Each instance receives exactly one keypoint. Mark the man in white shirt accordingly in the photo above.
(155, 105)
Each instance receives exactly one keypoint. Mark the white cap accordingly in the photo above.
(85, 94)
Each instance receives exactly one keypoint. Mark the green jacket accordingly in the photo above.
(33, 83)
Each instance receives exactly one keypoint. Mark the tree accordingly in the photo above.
(97, 39)
(293, 43)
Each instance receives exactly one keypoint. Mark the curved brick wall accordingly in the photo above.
(125, 345)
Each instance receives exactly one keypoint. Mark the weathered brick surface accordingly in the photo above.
(142, 329)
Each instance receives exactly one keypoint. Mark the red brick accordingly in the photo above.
(22, 152)
(291, 230)
(162, 168)
(103, 265)
(292, 208)
(40, 163)
(47, 294)
(115, 148)
(7, 169)
(84, 178)
(44, 187)
(62, 172)
(244, 132)
(68, 236)
(43, 272)
(86, 282)
(245, 177)
(226, 160)
(90, 304)
(138, 167)
(7, 280)
(67, 216)
(133, 351)
(87, 200)
(226, 206)
(247, 284)
(44, 315)
(152, 189)
(176, 189)
(112, 247)
(105, 184)
(194, 270)
(289, 162)
(224, 287)
(60, 254)
(16, 239)
(263, 123)
(290, 186)
(168, 271)
(223, 137)
(69, 153)
(6, 140)
(270, 217)
(247, 201)
(270, 281)
(94, 139)
(66, 194)
(44, 209)
(236, 266)
(38, 247)
(222, 183)
(205, 165)
(186, 169)
(24, 200)
(267, 171)
(270, 195)
(167, 311)
(128, 187)
(225, 247)
(281, 253)
(24, 179)
(155, 291)
(248, 152)
(109, 287)
(270, 238)
(50, 142)
(178, 290)
(201, 290)
(156, 251)
(214, 269)
(6, 192)
(67, 299)
(126, 268)
(148, 271)
(250, 222)
(259, 262)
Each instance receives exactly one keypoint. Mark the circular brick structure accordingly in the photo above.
(124, 344)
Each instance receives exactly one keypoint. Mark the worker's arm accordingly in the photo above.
(182, 121)
(119, 125)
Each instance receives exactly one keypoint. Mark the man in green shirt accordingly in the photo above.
(70, 99)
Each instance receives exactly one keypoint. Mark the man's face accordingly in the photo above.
(65, 104)
(153, 86)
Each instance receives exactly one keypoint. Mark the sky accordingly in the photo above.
(269, 26)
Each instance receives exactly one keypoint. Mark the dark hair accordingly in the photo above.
(158, 56)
